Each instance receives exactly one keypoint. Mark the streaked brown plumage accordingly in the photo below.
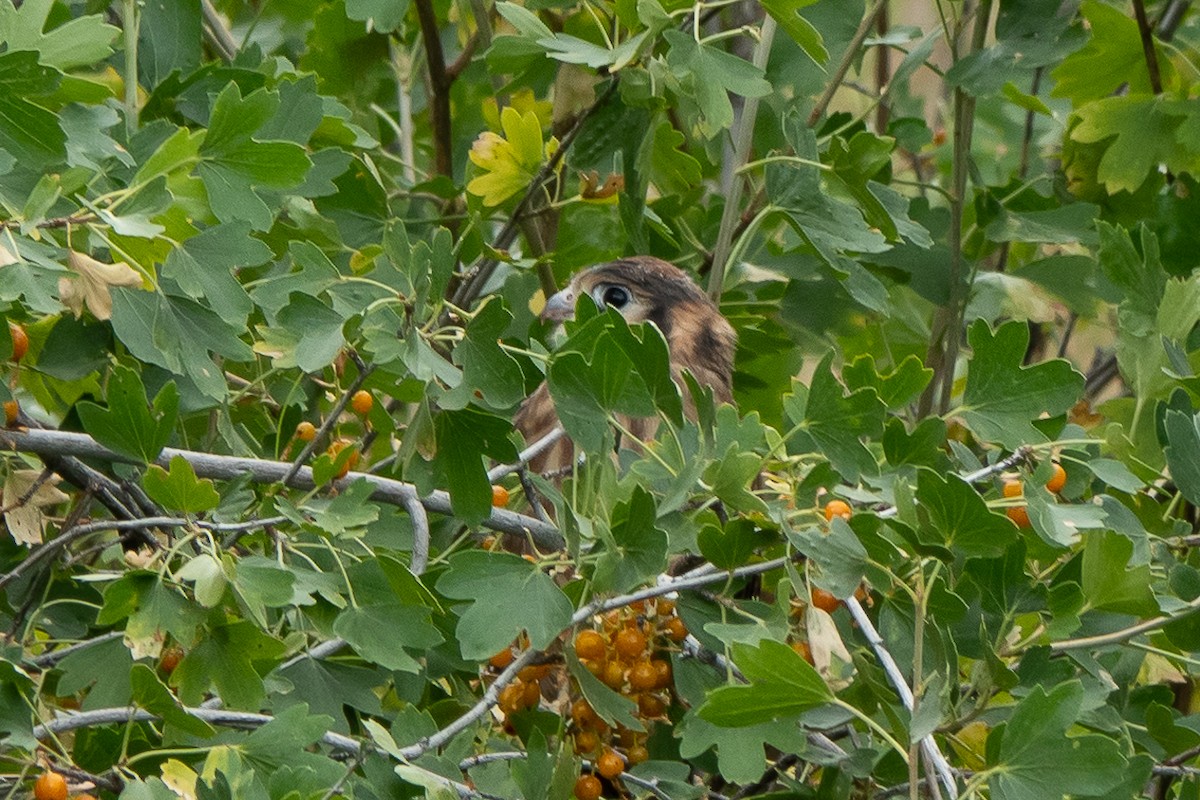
(643, 289)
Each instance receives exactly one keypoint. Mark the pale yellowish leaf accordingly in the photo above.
(25, 520)
(93, 284)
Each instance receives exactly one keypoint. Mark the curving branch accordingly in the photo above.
(207, 465)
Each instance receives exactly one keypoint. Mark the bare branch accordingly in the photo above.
(206, 465)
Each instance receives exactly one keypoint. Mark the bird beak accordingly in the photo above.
(560, 306)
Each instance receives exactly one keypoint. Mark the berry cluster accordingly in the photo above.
(1015, 488)
(627, 651)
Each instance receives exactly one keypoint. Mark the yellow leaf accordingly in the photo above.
(93, 284)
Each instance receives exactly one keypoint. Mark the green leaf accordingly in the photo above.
(1183, 453)
(1035, 758)
(205, 267)
(78, 42)
(897, 388)
(1112, 58)
(380, 15)
(151, 609)
(803, 32)
(840, 558)
(833, 423)
(506, 595)
(129, 425)
(711, 74)
(235, 166)
(782, 685)
(383, 634)
(348, 513)
(226, 659)
(1002, 396)
(637, 551)
(29, 133)
(1110, 582)
(957, 516)
(170, 34)
(463, 438)
(176, 334)
(487, 369)
(150, 693)
(730, 546)
(104, 670)
(1145, 132)
(669, 168)
(179, 488)
(262, 583)
(853, 164)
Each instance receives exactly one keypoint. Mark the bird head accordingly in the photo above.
(648, 289)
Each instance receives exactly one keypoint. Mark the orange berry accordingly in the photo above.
(512, 697)
(637, 754)
(590, 644)
(170, 659)
(662, 673)
(650, 705)
(588, 787)
(85, 797)
(532, 695)
(675, 629)
(825, 600)
(614, 675)
(335, 450)
(502, 659)
(11, 412)
(1057, 480)
(609, 764)
(582, 713)
(837, 508)
(20, 341)
(50, 786)
(804, 650)
(586, 741)
(643, 676)
(362, 402)
(306, 431)
(594, 666)
(534, 672)
(488, 543)
(499, 496)
(1013, 489)
(1019, 515)
(665, 607)
(630, 643)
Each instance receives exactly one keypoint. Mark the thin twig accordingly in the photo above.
(849, 56)
(942, 356)
(732, 179)
(528, 454)
(330, 420)
(66, 537)
(439, 80)
(218, 32)
(1148, 51)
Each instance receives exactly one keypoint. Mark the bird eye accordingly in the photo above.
(615, 296)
